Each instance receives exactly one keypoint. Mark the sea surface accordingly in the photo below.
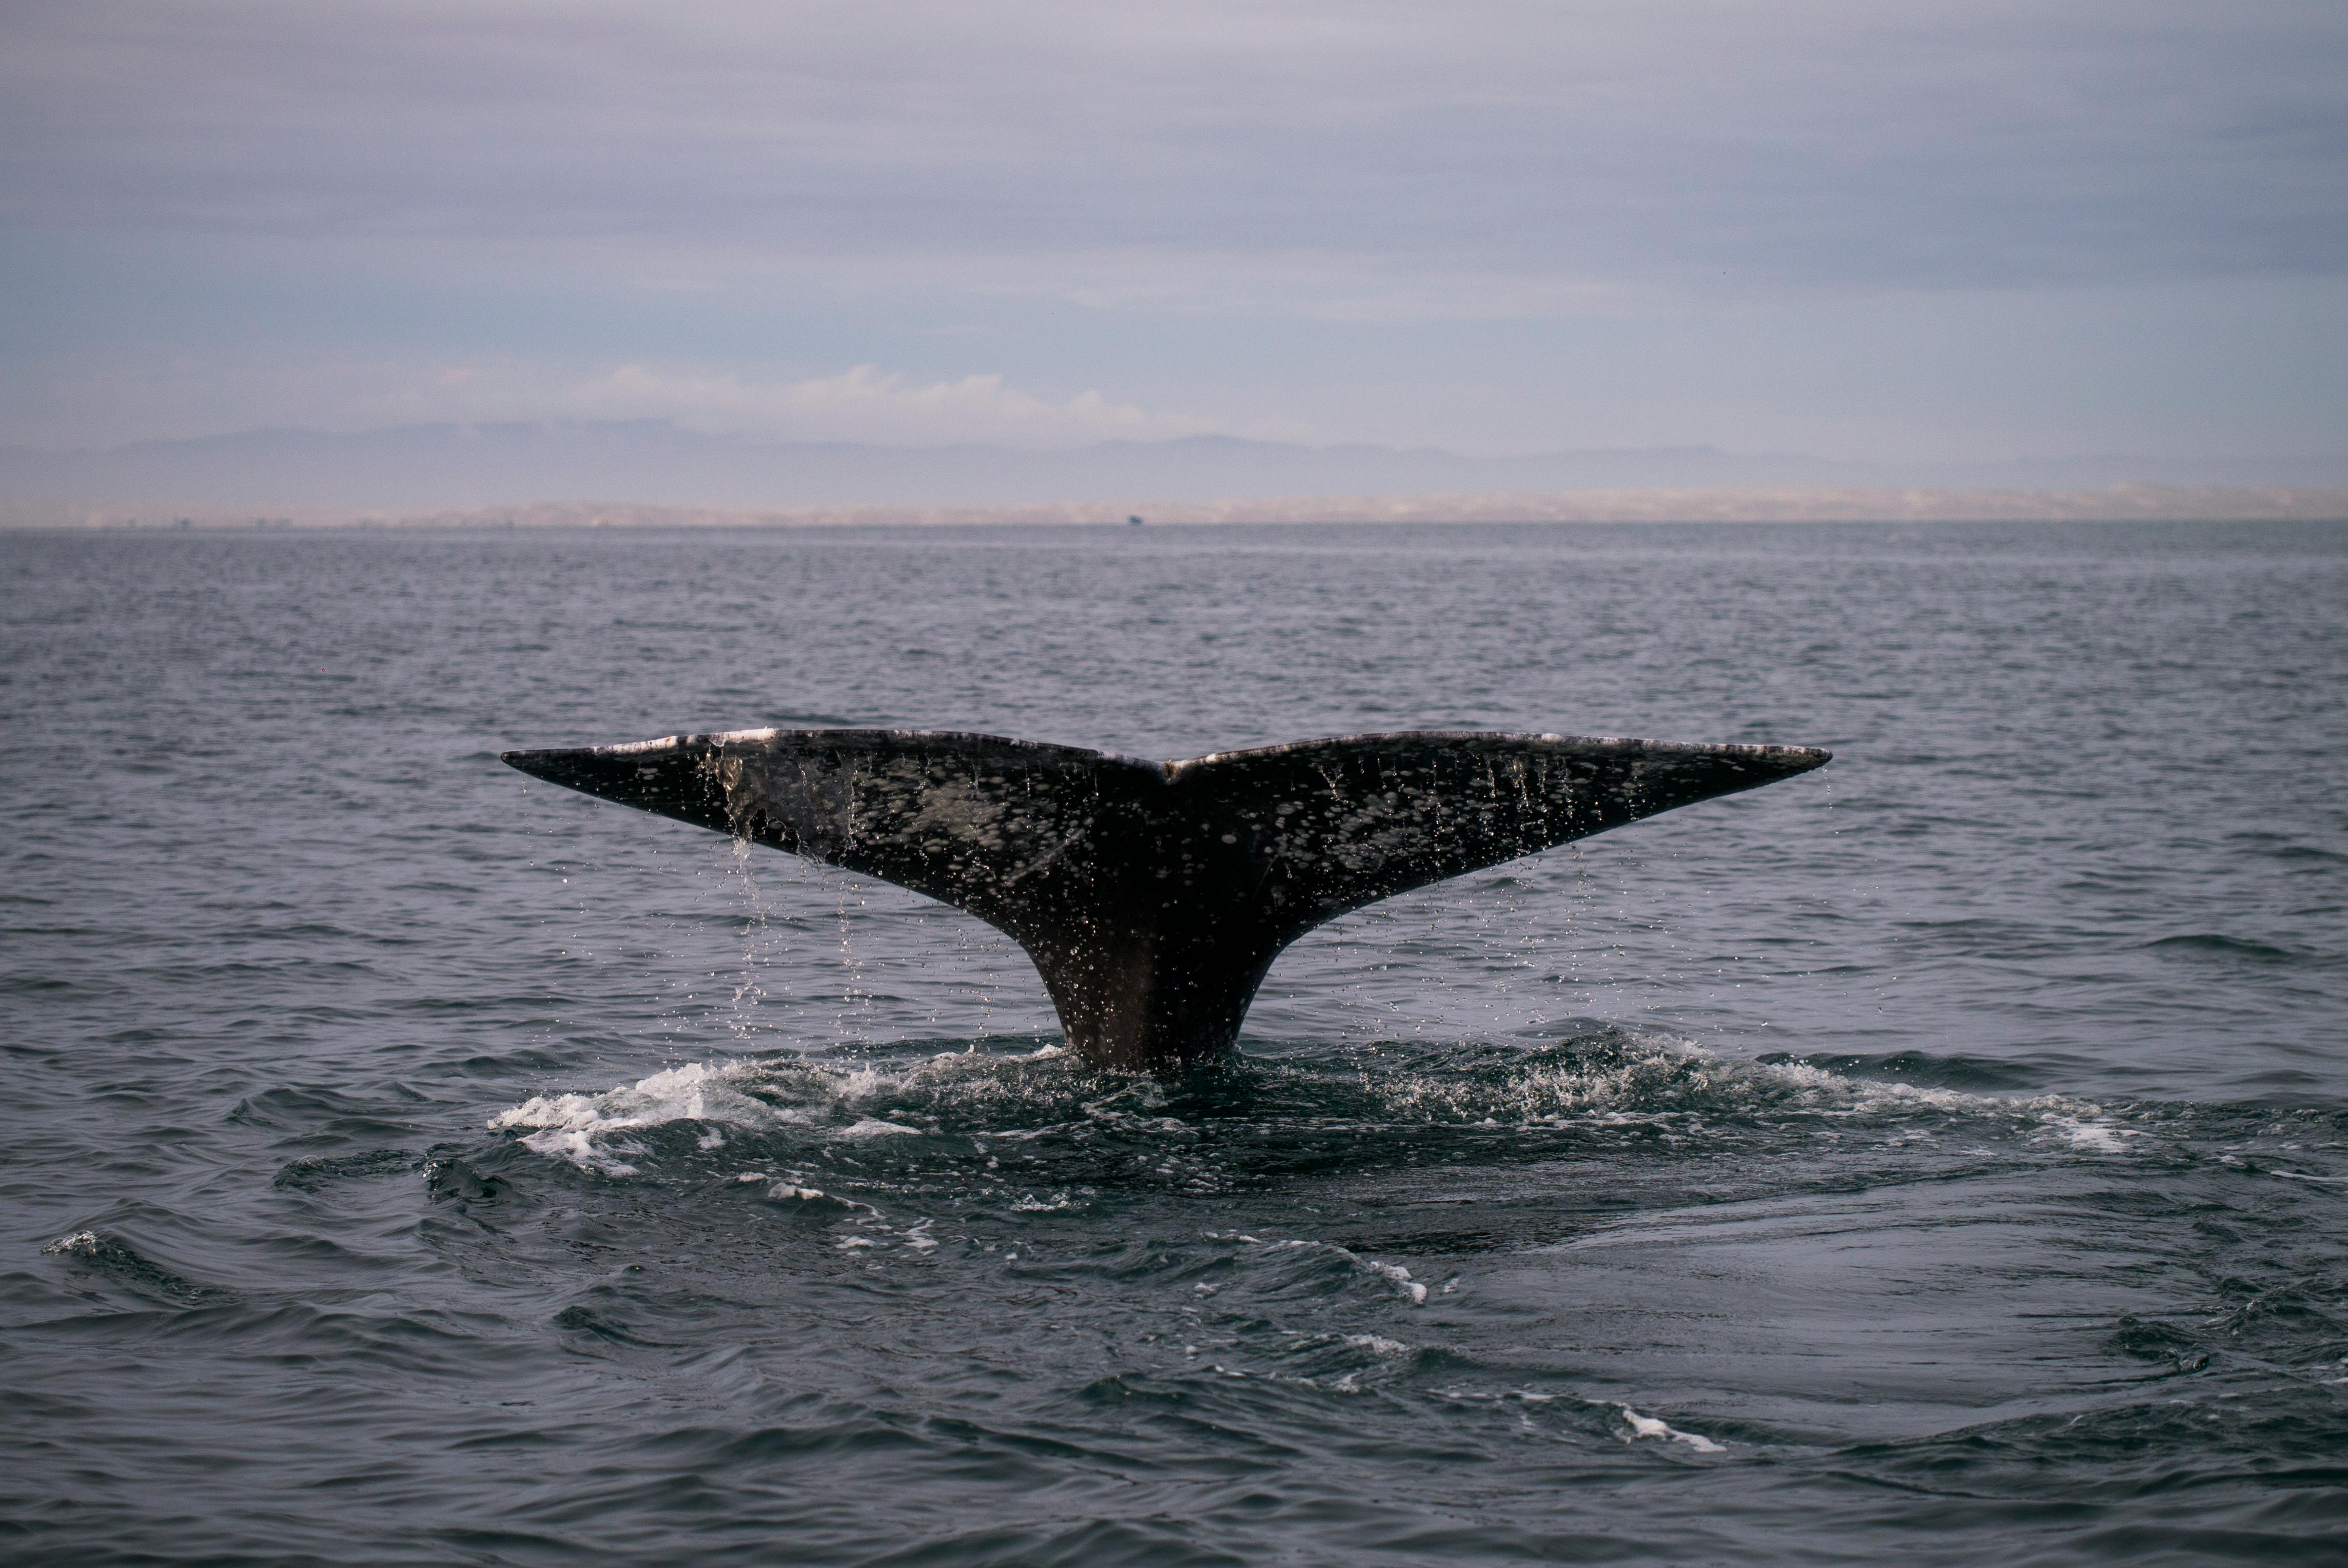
(1941, 1158)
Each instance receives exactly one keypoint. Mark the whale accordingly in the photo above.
(1153, 897)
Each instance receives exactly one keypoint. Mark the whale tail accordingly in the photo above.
(1153, 896)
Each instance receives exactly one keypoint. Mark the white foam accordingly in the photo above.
(1394, 1274)
(744, 1095)
(870, 1127)
(2083, 1123)
(81, 1244)
(580, 1127)
(2095, 1137)
(1650, 1426)
(580, 1147)
(1377, 1344)
(689, 1093)
(1661, 1075)
(1401, 1277)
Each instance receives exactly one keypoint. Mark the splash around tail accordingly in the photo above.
(1154, 896)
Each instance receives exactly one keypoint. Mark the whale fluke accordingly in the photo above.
(1153, 896)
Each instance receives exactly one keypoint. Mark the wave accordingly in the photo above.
(973, 1110)
(2214, 944)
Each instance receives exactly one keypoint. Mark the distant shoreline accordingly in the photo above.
(1722, 504)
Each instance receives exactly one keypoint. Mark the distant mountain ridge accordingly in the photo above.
(654, 462)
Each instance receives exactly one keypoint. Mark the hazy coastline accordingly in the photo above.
(1723, 504)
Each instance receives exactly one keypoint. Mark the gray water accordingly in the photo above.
(1941, 1158)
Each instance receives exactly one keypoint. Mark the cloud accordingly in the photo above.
(182, 394)
(1686, 143)
(1975, 224)
(867, 404)
(863, 403)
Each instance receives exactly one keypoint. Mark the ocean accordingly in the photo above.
(1941, 1158)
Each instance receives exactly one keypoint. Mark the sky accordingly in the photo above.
(1894, 231)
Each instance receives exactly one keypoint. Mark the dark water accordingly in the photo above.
(1939, 1159)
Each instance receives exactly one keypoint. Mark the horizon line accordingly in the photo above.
(1725, 504)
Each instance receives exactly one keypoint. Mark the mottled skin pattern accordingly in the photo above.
(1153, 896)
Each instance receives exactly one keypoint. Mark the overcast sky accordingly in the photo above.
(1901, 230)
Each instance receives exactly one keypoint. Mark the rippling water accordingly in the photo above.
(1943, 1158)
